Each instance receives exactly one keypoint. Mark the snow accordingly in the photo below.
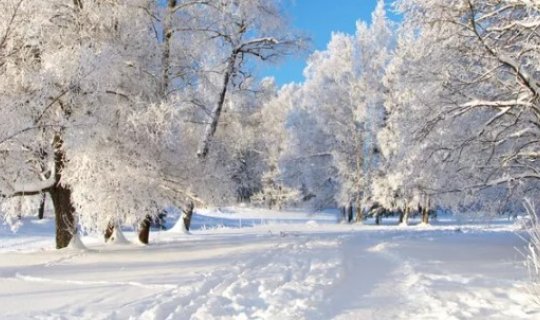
(242, 263)
(76, 243)
(118, 237)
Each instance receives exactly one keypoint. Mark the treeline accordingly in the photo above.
(118, 109)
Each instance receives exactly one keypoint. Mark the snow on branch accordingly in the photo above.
(10, 24)
(191, 3)
(172, 185)
(259, 41)
(497, 104)
(508, 178)
(17, 133)
(267, 47)
(33, 187)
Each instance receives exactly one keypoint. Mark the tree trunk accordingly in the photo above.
(359, 213)
(64, 211)
(187, 213)
(43, 195)
(377, 218)
(144, 230)
(425, 215)
(350, 212)
(64, 215)
(211, 127)
(406, 215)
(109, 231)
(41, 210)
(166, 53)
(425, 212)
(401, 215)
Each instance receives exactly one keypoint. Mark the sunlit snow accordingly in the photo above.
(257, 264)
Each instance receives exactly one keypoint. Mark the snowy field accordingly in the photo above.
(246, 264)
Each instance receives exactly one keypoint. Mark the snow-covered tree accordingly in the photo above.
(408, 169)
(250, 30)
(344, 91)
(275, 191)
(81, 119)
(307, 163)
(473, 66)
(335, 107)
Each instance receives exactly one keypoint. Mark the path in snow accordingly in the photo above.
(277, 272)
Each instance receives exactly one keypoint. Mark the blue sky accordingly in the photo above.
(317, 19)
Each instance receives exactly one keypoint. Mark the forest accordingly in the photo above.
(115, 111)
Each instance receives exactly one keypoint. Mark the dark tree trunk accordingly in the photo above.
(187, 213)
(109, 231)
(43, 195)
(64, 211)
(211, 127)
(377, 218)
(350, 213)
(41, 210)
(144, 230)
(425, 215)
(401, 215)
(64, 215)
(425, 212)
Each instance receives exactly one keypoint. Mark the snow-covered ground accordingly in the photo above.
(256, 264)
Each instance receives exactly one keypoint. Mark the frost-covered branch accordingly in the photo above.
(21, 188)
(175, 186)
(186, 4)
(13, 135)
(9, 26)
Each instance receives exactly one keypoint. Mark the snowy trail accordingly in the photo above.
(362, 269)
(276, 272)
(284, 280)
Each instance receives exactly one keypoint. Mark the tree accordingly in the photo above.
(78, 87)
(480, 55)
(215, 45)
(409, 169)
(251, 29)
(307, 163)
(275, 191)
(249, 130)
(345, 94)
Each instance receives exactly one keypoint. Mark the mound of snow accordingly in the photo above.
(179, 227)
(118, 237)
(312, 223)
(76, 243)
